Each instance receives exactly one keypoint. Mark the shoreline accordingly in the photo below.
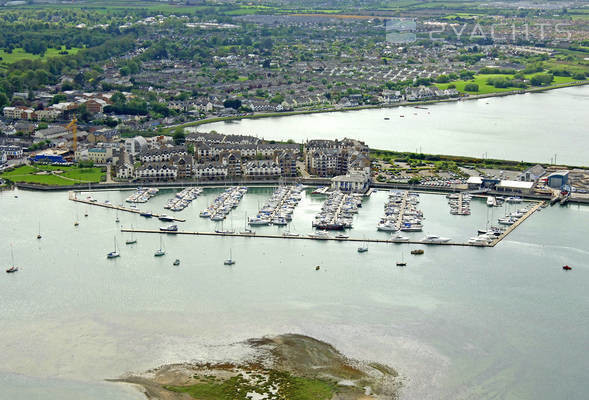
(167, 130)
(273, 183)
(289, 365)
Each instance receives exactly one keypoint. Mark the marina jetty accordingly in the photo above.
(399, 204)
(93, 202)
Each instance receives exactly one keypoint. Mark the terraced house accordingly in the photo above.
(157, 171)
(162, 154)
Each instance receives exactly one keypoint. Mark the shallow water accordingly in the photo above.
(530, 127)
(457, 323)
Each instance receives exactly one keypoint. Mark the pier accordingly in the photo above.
(72, 197)
(399, 221)
(516, 224)
(301, 237)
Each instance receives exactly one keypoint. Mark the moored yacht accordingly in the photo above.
(435, 239)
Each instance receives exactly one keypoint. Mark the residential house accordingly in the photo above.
(11, 152)
(262, 169)
(287, 161)
(156, 171)
(162, 154)
(124, 166)
(135, 145)
(210, 171)
(183, 163)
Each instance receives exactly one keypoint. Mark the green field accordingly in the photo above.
(19, 54)
(484, 88)
(70, 176)
(237, 388)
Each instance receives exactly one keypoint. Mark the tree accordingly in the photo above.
(232, 103)
(83, 114)
(471, 87)
(3, 99)
(118, 98)
(443, 79)
(179, 136)
(541, 79)
(58, 98)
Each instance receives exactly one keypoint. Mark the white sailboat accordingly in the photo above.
(13, 268)
(39, 234)
(114, 253)
(402, 263)
(363, 248)
(230, 260)
(160, 252)
(132, 240)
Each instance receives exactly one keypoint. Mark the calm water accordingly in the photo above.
(529, 127)
(457, 323)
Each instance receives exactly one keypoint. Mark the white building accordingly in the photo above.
(157, 172)
(210, 171)
(532, 174)
(135, 145)
(11, 152)
(520, 187)
(261, 169)
(357, 180)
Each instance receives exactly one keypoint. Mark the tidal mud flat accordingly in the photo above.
(287, 366)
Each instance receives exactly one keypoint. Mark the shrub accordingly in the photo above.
(471, 87)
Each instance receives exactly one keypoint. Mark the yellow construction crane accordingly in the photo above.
(74, 128)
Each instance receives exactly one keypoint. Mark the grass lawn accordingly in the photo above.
(484, 88)
(20, 54)
(70, 175)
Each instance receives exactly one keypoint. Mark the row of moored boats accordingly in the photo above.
(183, 199)
(224, 203)
(142, 195)
(401, 213)
(337, 212)
(279, 208)
(459, 203)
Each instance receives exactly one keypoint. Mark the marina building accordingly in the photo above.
(558, 179)
(357, 180)
(532, 174)
(519, 187)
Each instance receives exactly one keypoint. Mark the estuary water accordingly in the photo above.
(530, 127)
(456, 323)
